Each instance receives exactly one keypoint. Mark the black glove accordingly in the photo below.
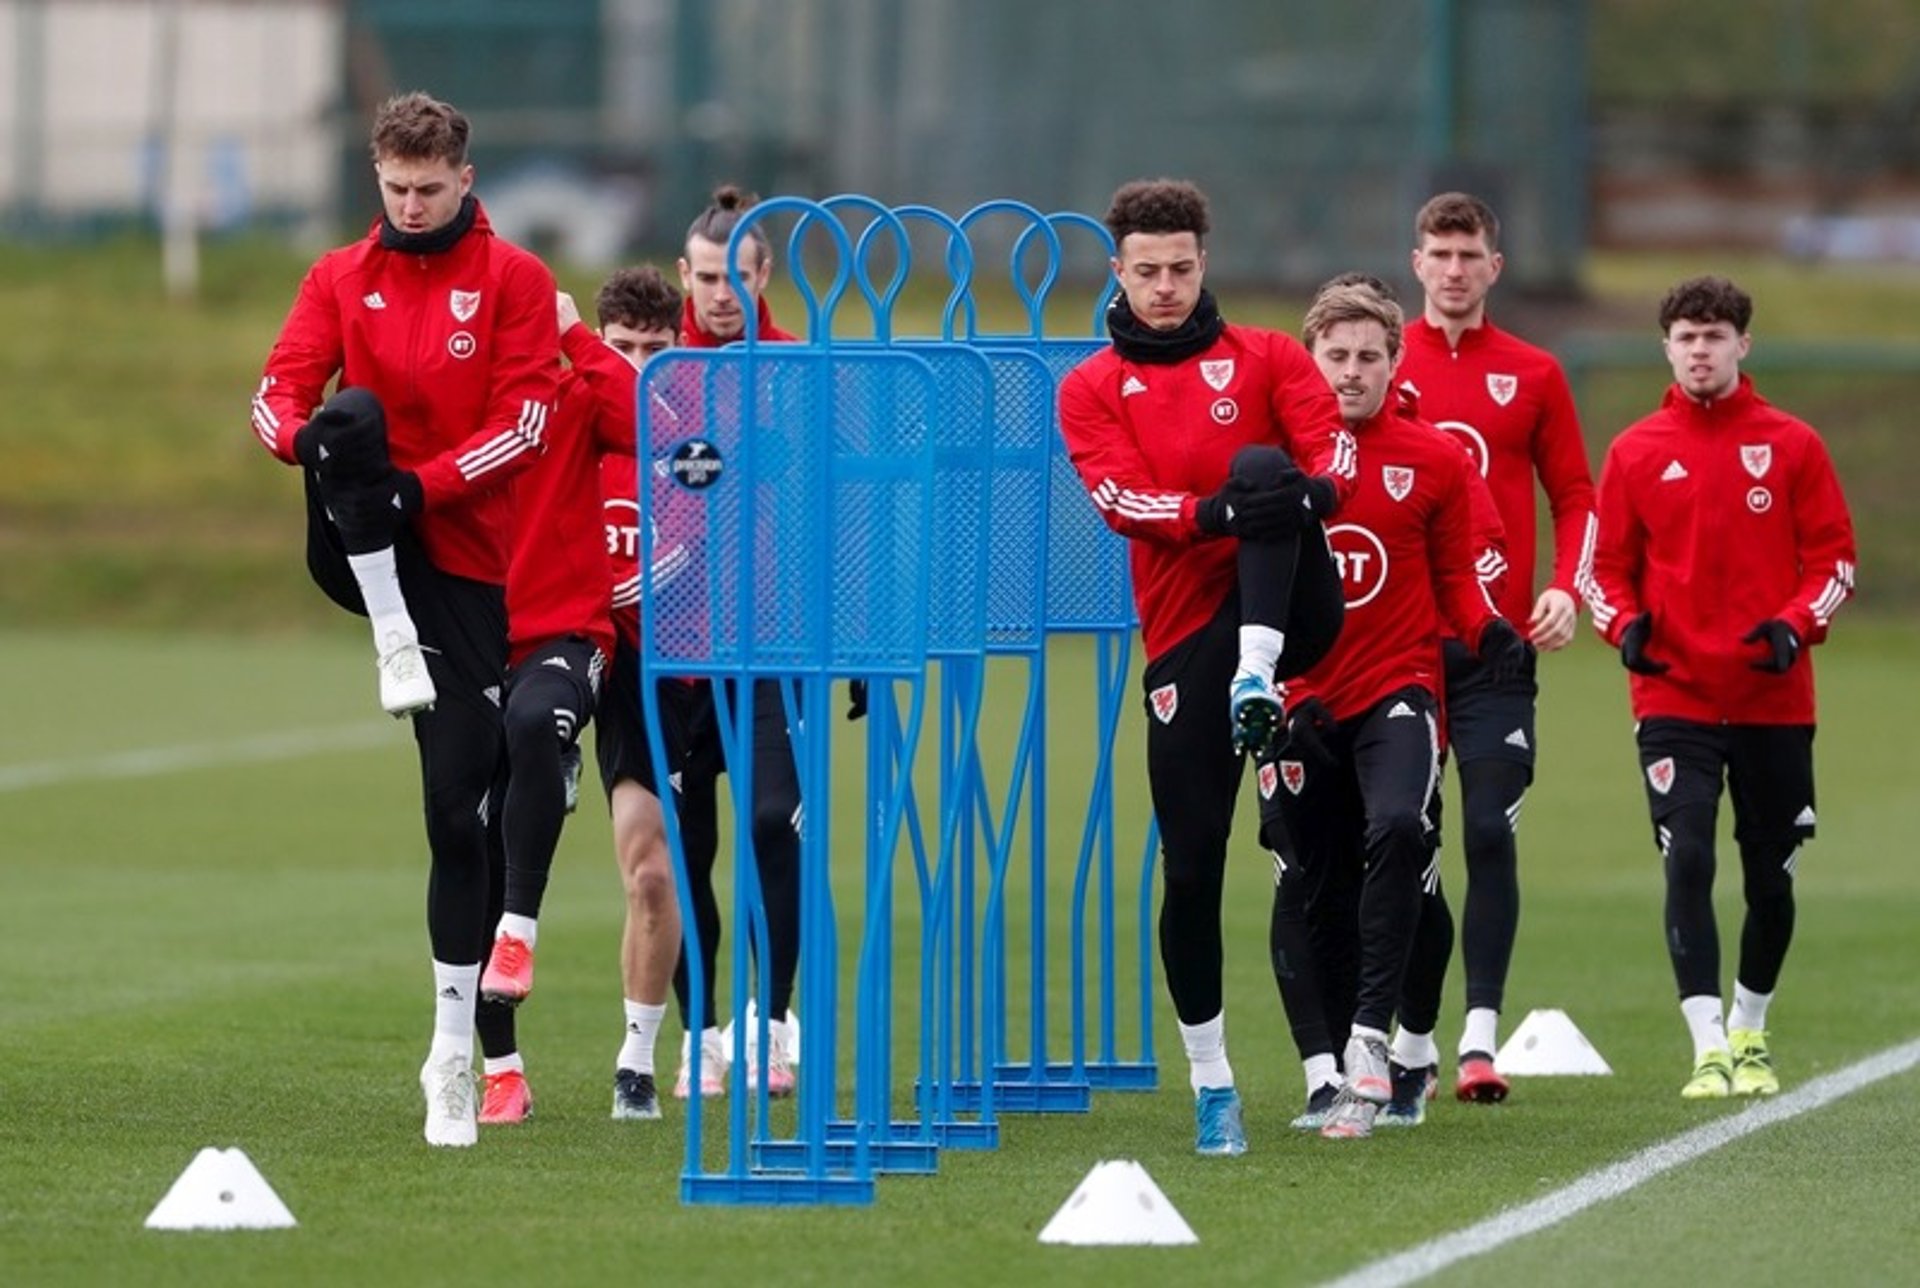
(856, 699)
(306, 446)
(1783, 646)
(1316, 494)
(345, 442)
(1633, 647)
(1245, 510)
(379, 510)
(1307, 497)
(1503, 652)
(1309, 725)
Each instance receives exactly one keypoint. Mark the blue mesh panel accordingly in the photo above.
(814, 527)
(1023, 411)
(1088, 588)
(957, 610)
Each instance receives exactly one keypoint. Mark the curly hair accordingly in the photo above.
(1457, 212)
(641, 298)
(1706, 299)
(1155, 206)
(717, 222)
(419, 127)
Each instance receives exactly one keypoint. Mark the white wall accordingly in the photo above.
(82, 104)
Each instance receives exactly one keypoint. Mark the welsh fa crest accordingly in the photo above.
(1218, 373)
(464, 305)
(1165, 700)
(1757, 457)
(1502, 388)
(1660, 775)
(1269, 780)
(1294, 774)
(1398, 480)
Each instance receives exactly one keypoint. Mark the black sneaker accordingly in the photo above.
(1412, 1089)
(570, 775)
(634, 1095)
(1319, 1105)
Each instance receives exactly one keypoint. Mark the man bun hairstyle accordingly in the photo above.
(1457, 212)
(419, 127)
(1158, 206)
(723, 213)
(641, 298)
(1344, 301)
(1706, 299)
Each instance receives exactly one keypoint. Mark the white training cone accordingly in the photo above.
(1548, 1042)
(220, 1190)
(1117, 1203)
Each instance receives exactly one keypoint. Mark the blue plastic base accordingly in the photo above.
(1120, 1075)
(1022, 1095)
(1116, 1075)
(903, 1155)
(776, 1191)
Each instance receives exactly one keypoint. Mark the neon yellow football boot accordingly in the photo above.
(1712, 1078)
(1753, 1073)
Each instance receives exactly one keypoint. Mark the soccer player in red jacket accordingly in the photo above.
(560, 640)
(639, 312)
(1725, 550)
(714, 316)
(1354, 784)
(1508, 402)
(442, 337)
(1199, 440)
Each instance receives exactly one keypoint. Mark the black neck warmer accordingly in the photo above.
(430, 243)
(1138, 343)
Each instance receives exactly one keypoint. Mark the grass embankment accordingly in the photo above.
(134, 494)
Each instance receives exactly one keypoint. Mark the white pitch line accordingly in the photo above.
(151, 761)
(1435, 1255)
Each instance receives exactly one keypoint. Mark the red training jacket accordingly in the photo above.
(1508, 401)
(1150, 440)
(1716, 518)
(557, 584)
(1409, 559)
(459, 346)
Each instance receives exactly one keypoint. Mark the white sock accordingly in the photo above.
(386, 606)
(1749, 1008)
(522, 928)
(1415, 1050)
(492, 1066)
(643, 1030)
(1207, 1053)
(1362, 1031)
(454, 991)
(1260, 650)
(1322, 1071)
(1482, 1033)
(1704, 1022)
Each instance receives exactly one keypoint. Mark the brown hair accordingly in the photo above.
(1156, 206)
(1342, 301)
(641, 298)
(1457, 212)
(717, 222)
(419, 127)
(1706, 299)
(1368, 280)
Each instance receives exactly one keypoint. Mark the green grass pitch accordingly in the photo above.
(235, 954)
